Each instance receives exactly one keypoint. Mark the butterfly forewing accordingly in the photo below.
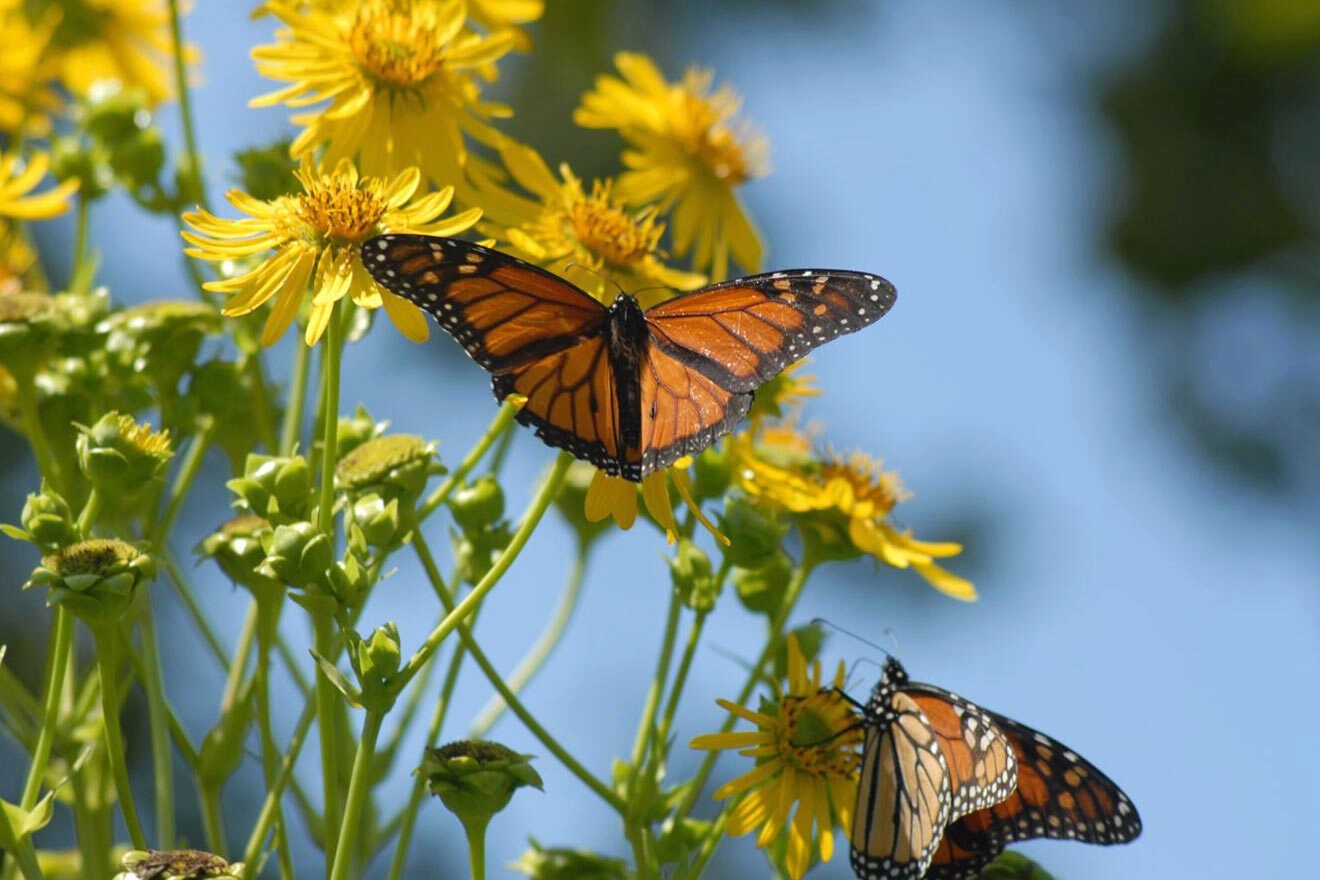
(982, 764)
(741, 333)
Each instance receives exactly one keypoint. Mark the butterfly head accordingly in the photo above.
(891, 680)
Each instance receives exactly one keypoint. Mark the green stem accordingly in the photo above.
(47, 464)
(252, 852)
(713, 837)
(94, 859)
(291, 429)
(791, 594)
(192, 463)
(61, 640)
(476, 840)
(492, 675)
(549, 489)
(326, 707)
(330, 357)
(539, 652)
(90, 513)
(237, 668)
(498, 425)
(268, 617)
(358, 784)
(646, 725)
(158, 723)
(79, 239)
(502, 451)
(213, 824)
(107, 653)
(185, 102)
(23, 853)
(680, 681)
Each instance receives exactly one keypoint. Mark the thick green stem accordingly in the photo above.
(475, 830)
(326, 707)
(268, 618)
(549, 489)
(540, 651)
(330, 358)
(107, 653)
(291, 429)
(213, 824)
(358, 784)
(503, 419)
(23, 853)
(252, 852)
(61, 640)
(158, 721)
(79, 239)
(646, 726)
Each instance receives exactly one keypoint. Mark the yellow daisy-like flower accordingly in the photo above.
(19, 269)
(26, 98)
(616, 498)
(689, 153)
(316, 236)
(19, 177)
(401, 79)
(805, 747)
(504, 16)
(588, 237)
(125, 40)
(778, 467)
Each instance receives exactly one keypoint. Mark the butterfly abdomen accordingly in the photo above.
(627, 335)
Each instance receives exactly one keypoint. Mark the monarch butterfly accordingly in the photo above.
(929, 757)
(629, 391)
(946, 784)
(1059, 794)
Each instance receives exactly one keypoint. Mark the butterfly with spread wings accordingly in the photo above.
(1059, 794)
(929, 758)
(629, 391)
(945, 784)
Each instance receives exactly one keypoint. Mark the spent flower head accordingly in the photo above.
(805, 749)
(476, 779)
(561, 863)
(314, 237)
(97, 580)
(401, 80)
(395, 466)
(689, 153)
(177, 864)
(850, 498)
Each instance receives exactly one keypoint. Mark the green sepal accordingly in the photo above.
(1014, 866)
(338, 679)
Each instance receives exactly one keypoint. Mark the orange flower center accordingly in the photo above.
(338, 209)
(868, 479)
(607, 230)
(396, 49)
(815, 735)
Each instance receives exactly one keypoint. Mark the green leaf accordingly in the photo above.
(24, 823)
(1014, 866)
(336, 678)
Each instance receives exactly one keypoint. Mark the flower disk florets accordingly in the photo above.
(475, 779)
(121, 457)
(392, 466)
(97, 580)
(177, 864)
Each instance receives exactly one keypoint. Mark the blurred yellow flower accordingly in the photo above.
(316, 236)
(400, 78)
(26, 98)
(590, 238)
(124, 40)
(18, 262)
(18, 177)
(777, 466)
(616, 498)
(784, 393)
(805, 747)
(504, 16)
(689, 153)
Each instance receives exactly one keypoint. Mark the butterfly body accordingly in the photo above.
(946, 784)
(629, 390)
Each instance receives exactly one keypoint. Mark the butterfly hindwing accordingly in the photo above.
(742, 333)
(683, 411)
(505, 313)
(982, 763)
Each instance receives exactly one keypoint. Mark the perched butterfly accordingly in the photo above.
(629, 391)
(1059, 794)
(929, 758)
(946, 784)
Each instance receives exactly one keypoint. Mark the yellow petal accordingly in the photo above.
(946, 582)
(655, 492)
(736, 740)
(750, 779)
(407, 318)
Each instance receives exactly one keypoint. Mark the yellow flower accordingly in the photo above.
(315, 236)
(18, 179)
(805, 747)
(590, 238)
(616, 498)
(778, 467)
(19, 269)
(504, 16)
(689, 153)
(400, 78)
(125, 40)
(26, 99)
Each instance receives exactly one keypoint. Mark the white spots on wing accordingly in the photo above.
(875, 285)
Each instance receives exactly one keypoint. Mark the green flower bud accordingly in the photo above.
(48, 521)
(297, 554)
(380, 654)
(89, 164)
(561, 863)
(222, 748)
(393, 466)
(112, 113)
(348, 581)
(357, 429)
(97, 580)
(137, 160)
(712, 472)
(475, 552)
(378, 521)
(755, 532)
(478, 504)
(176, 864)
(237, 548)
(275, 487)
(571, 503)
(693, 577)
(475, 779)
(122, 458)
(761, 590)
(267, 173)
(26, 331)
(160, 339)
(678, 839)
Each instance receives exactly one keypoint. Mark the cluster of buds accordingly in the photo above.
(47, 522)
(693, 578)
(761, 569)
(482, 533)
(562, 863)
(376, 661)
(381, 479)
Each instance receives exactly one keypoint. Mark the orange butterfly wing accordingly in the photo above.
(982, 763)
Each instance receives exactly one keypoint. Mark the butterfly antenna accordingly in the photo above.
(820, 621)
(600, 275)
